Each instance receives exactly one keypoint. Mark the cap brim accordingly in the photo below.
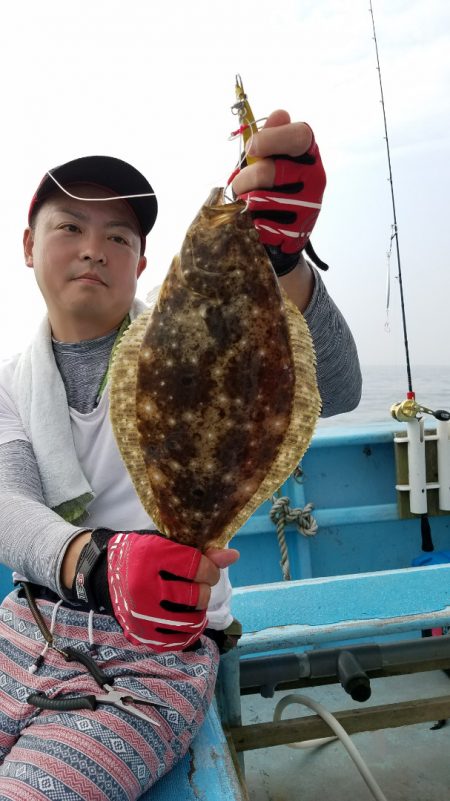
(113, 174)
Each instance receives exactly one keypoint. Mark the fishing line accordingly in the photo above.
(247, 125)
(242, 155)
(96, 199)
(243, 146)
(394, 213)
(387, 327)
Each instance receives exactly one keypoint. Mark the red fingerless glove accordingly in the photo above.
(152, 591)
(285, 214)
(146, 581)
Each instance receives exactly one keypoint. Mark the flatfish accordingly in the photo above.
(213, 390)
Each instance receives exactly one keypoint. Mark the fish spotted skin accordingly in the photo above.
(215, 377)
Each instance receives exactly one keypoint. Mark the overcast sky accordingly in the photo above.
(153, 83)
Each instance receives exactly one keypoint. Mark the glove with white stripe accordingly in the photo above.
(147, 582)
(286, 212)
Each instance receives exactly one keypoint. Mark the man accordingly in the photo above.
(69, 510)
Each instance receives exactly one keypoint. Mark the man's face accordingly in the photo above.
(87, 257)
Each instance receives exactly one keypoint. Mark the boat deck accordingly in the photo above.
(350, 583)
(410, 763)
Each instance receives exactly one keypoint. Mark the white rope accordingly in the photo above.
(91, 628)
(282, 514)
(40, 658)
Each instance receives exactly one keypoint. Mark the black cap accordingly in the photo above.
(112, 174)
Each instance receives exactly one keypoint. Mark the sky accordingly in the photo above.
(153, 83)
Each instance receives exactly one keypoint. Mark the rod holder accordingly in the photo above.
(416, 461)
(443, 458)
(417, 479)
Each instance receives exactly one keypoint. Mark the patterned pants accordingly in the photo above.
(101, 755)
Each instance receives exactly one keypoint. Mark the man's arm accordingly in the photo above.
(299, 284)
(338, 370)
(33, 538)
(38, 544)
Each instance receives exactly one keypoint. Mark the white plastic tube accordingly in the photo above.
(340, 733)
(443, 457)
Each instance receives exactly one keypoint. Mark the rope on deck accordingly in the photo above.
(282, 514)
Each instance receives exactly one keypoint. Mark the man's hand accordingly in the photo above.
(157, 589)
(284, 188)
(160, 589)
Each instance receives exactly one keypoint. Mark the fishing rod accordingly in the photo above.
(411, 394)
(408, 409)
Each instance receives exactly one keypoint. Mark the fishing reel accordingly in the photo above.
(409, 409)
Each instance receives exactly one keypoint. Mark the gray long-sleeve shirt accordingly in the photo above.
(33, 538)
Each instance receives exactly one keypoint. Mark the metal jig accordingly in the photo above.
(246, 117)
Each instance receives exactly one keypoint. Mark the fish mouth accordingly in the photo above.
(217, 202)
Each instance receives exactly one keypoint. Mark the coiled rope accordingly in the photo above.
(282, 514)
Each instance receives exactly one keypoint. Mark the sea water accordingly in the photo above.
(385, 385)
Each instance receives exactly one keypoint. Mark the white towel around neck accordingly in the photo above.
(42, 402)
